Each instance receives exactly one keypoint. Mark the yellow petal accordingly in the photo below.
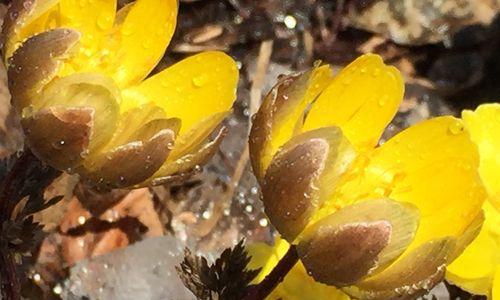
(143, 38)
(92, 18)
(361, 100)
(281, 114)
(132, 120)
(432, 165)
(266, 257)
(191, 140)
(484, 127)
(496, 285)
(469, 235)
(190, 162)
(475, 268)
(87, 90)
(191, 90)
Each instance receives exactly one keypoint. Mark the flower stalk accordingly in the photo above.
(265, 287)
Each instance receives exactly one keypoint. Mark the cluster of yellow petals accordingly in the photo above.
(429, 171)
(432, 166)
(477, 270)
(95, 56)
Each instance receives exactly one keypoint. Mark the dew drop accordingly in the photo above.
(206, 215)
(127, 29)
(383, 101)
(198, 81)
(57, 289)
(290, 22)
(147, 44)
(27, 4)
(81, 220)
(249, 208)
(456, 128)
(376, 72)
(103, 21)
(14, 15)
(346, 81)
(254, 190)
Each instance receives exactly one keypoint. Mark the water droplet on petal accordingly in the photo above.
(456, 127)
(198, 81)
(127, 29)
(103, 21)
(27, 4)
(383, 100)
(346, 81)
(14, 15)
(147, 44)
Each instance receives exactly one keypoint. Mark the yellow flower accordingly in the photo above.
(477, 270)
(378, 222)
(77, 72)
(296, 285)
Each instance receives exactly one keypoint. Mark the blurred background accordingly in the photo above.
(447, 50)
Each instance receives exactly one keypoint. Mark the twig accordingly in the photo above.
(340, 5)
(262, 290)
(266, 49)
(258, 81)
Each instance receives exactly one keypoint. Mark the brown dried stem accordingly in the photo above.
(27, 177)
(258, 81)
